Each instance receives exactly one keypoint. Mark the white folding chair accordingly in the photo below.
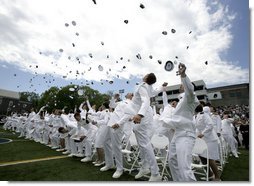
(133, 152)
(160, 144)
(200, 147)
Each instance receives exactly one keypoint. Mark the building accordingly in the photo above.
(173, 92)
(229, 95)
(10, 102)
(226, 95)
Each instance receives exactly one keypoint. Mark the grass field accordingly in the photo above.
(71, 169)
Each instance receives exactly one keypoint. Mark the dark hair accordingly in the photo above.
(226, 112)
(106, 105)
(202, 103)
(60, 129)
(76, 114)
(208, 104)
(199, 108)
(151, 79)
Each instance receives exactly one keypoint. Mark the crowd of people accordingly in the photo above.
(88, 132)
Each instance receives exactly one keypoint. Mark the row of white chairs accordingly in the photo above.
(161, 146)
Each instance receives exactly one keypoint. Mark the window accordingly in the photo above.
(201, 97)
(176, 91)
(232, 94)
(200, 87)
(238, 94)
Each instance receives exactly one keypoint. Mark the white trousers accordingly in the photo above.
(231, 142)
(113, 147)
(145, 146)
(180, 158)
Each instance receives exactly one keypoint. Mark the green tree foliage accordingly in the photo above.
(65, 97)
(30, 97)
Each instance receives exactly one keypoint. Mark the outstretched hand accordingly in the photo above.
(181, 70)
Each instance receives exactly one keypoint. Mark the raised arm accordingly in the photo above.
(188, 87)
(164, 98)
(88, 105)
(81, 105)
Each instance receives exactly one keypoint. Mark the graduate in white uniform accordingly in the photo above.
(180, 153)
(83, 109)
(204, 129)
(88, 137)
(166, 114)
(216, 120)
(227, 133)
(114, 137)
(101, 123)
(28, 123)
(143, 116)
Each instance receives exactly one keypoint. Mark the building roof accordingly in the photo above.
(229, 87)
(9, 94)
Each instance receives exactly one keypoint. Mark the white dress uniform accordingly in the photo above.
(180, 154)
(215, 118)
(29, 124)
(83, 112)
(102, 127)
(227, 133)
(113, 141)
(141, 105)
(204, 125)
(90, 136)
(165, 117)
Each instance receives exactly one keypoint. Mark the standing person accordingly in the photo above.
(101, 123)
(204, 125)
(180, 154)
(83, 109)
(114, 137)
(216, 120)
(142, 119)
(244, 129)
(227, 132)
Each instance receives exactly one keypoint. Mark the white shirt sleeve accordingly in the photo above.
(164, 98)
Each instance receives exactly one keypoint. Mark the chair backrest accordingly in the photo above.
(159, 141)
(200, 146)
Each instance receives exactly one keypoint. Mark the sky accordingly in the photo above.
(48, 43)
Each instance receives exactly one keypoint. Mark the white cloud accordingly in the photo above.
(31, 27)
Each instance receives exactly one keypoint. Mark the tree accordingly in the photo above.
(68, 97)
(31, 97)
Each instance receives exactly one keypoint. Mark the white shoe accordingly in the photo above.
(70, 155)
(236, 155)
(79, 155)
(117, 174)
(141, 173)
(106, 168)
(59, 150)
(66, 152)
(155, 178)
(54, 147)
(99, 164)
(86, 159)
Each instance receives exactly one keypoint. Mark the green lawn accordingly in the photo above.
(71, 169)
